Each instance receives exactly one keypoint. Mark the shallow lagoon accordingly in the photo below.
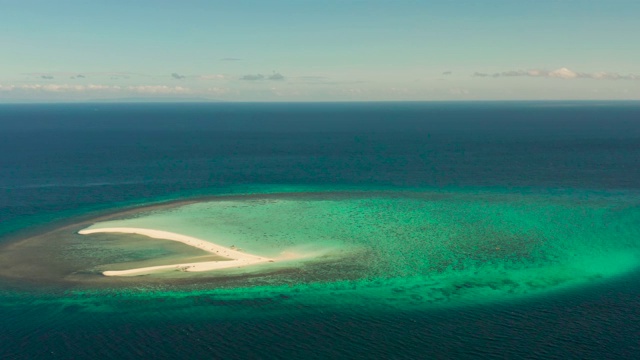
(402, 249)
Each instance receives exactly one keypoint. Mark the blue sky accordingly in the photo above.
(71, 50)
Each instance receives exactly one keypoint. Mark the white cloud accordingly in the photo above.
(49, 87)
(103, 87)
(218, 91)
(58, 87)
(66, 88)
(159, 89)
(561, 73)
(276, 76)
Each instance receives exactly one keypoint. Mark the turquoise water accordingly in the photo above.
(413, 248)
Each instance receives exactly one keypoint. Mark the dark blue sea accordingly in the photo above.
(63, 161)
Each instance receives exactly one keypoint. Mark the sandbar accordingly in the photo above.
(237, 259)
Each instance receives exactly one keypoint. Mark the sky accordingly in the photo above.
(329, 50)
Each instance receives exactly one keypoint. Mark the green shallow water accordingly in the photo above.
(406, 249)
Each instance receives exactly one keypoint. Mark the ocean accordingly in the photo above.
(447, 230)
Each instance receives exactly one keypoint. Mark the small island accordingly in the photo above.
(439, 246)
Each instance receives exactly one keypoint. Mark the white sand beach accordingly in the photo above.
(237, 259)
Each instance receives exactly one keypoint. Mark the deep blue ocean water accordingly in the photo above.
(58, 161)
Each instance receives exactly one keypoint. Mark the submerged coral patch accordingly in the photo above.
(408, 246)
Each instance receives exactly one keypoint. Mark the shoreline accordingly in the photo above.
(237, 258)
